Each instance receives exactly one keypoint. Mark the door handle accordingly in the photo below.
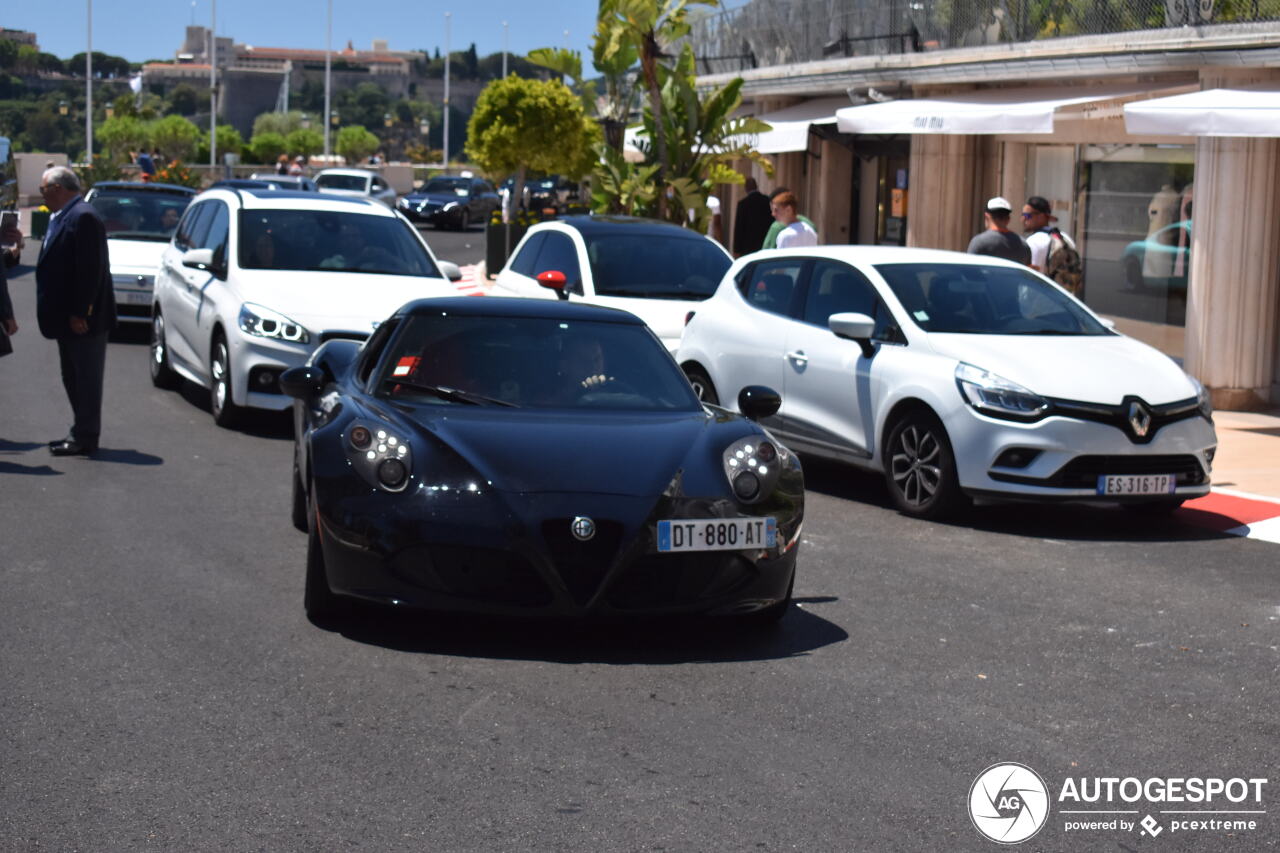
(797, 355)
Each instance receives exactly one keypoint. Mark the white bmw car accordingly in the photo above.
(255, 280)
(954, 375)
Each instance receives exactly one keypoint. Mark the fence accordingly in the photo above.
(779, 32)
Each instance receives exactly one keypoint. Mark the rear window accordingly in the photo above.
(342, 182)
(139, 215)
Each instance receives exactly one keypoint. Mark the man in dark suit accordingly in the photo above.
(751, 220)
(10, 251)
(75, 304)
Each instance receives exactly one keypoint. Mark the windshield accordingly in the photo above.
(644, 265)
(533, 363)
(986, 300)
(358, 183)
(139, 215)
(448, 186)
(330, 241)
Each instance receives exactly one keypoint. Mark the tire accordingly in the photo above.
(162, 374)
(299, 511)
(1133, 273)
(1154, 509)
(318, 599)
(226, 413)
(702, 385)
(920, 467)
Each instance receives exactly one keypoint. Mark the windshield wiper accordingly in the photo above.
(444, 392)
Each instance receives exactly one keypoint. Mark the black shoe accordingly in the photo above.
(71, 447)
(65, 438)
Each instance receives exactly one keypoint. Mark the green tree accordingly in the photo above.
(8, 54)
(304, 141)
(176, 137)
(647, 27)
(184, 100)
(229, 142)
(266, 147)
(355, 143)
(521, 125)
(120, 135)
(281, 123)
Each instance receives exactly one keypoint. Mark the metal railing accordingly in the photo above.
(780, 32)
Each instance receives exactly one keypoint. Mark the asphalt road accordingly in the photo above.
(162, 688)
(461, 247)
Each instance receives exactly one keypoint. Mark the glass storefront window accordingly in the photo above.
(1136, 237)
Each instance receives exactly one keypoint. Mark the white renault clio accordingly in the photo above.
(955, 375)
(254, 280)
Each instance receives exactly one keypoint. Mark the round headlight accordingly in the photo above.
(392, 473)
(746, 485)
(766, 452)
(361, 438)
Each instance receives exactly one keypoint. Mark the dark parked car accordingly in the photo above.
(449, 201)
(535, 458)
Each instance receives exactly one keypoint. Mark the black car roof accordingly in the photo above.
(138, 186)
(592, 226)
(510, 306)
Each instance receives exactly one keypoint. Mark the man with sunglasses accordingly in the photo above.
(1040, 226)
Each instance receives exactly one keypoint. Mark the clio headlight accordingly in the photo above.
(1204, 400)
(996, 396)
(266, 323)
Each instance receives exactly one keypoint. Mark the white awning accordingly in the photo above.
(791, 124)
(1247, 111)
(1026, 110)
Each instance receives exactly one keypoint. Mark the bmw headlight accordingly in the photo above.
(996, 396)
(266, 323)
(1204, 400)
(752, 465)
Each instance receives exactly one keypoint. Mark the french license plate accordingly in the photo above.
(133, 297)
(1137, 484)
(716, 534)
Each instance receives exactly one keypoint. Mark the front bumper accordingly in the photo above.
(513, 554)
(256, 365)
(133, 293)
(1070, 455)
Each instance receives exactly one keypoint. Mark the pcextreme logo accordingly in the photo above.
(1009, 803)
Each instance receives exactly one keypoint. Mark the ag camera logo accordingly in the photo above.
(1008, 803)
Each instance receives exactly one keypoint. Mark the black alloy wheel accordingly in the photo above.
(162, 374)
(702, 386)
(225, 412)
(920, 468)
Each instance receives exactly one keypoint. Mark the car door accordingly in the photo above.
(828, 391)
(176, 283)
(212, 298)
(750, 336)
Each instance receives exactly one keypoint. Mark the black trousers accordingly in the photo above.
(84, 360)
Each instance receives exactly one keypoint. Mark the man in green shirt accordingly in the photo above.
(771, 238)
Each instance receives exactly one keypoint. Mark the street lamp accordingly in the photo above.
(334, 118)
(387, 121)
(62, 108)
(110, 111)
(425, 127)
(305, 123)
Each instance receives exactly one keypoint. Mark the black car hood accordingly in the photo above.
(618, 453)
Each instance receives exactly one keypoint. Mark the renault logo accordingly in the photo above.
(583, 528)
(1139, 419)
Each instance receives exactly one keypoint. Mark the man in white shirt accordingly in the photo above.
(1038, 223)
(795, 232)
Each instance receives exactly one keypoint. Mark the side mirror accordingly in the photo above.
(199, 259)
(854, 327)
(759, 401)
(450, 270)
(302, 383)
(554, 280)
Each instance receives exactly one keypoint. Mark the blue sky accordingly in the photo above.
(154, 29)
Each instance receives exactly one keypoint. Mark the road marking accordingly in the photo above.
(469, 284)
(1234, 513)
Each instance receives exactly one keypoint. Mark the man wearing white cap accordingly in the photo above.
(997, 239)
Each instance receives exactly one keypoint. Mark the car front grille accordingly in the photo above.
(1083, 472)
(581, 565)
(666, 580)
(486, 574)
(1118, 416)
